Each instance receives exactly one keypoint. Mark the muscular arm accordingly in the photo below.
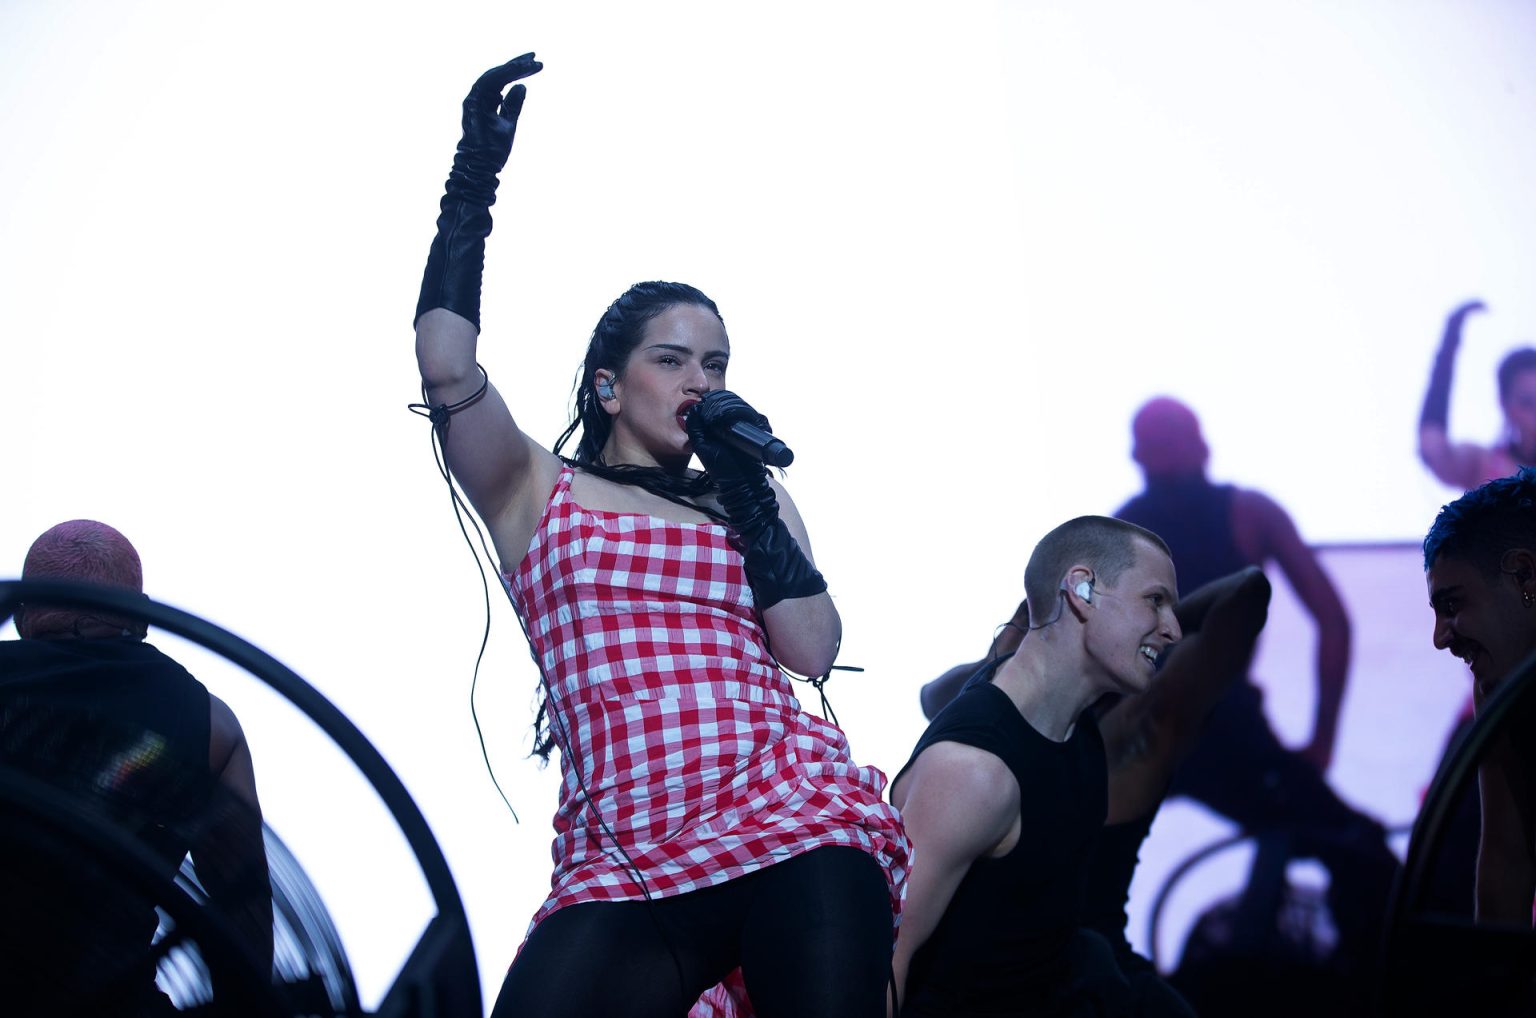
(1280, 541)
(1146, 737)
(230, 853)
(959, 804)
(504, 472)
(803, 632)
(1457, 464)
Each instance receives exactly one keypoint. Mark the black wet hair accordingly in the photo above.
(617, 334)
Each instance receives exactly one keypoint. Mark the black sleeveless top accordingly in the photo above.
(1001, 946)
(1107, 884)
(118, 733)
(1194, 518)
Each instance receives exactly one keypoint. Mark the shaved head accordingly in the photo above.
(84, 551)
(1166, 439)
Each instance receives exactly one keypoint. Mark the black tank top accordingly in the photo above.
(1001, 946)
(119, 732)
(1107, 884)
(1194, 518)
(113, 720)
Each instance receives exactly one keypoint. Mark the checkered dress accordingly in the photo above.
(686, 736)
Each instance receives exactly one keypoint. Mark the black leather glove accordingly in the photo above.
(1437, 400)
(776, 567)
(454, 266)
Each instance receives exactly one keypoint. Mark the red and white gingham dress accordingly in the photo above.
(695, 752)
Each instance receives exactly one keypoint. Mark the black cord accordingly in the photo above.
(820, 684)
(439, 416)
(442, 414)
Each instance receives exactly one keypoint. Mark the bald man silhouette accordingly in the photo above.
(122, 734)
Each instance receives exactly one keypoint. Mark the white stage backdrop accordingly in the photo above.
(955, 245)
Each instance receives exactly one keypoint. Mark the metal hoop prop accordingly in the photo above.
(440, 976)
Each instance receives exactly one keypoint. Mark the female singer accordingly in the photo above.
(706, 822)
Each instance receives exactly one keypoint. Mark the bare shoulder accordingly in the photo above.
(1256, 505)
(959, 802)
(1259, 524)
(955, 771)
(222, 722)
(225, 735)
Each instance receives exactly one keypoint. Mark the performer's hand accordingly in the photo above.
(711, 416)
(776, 567)
(457, 257)
(490, 119)
(1454, 321)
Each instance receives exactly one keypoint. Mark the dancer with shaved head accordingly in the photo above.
(120, 732)
(1008, 789)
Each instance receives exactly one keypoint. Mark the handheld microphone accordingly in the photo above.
(753, 441)
(756, 442)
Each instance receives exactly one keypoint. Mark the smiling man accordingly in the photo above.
(1006, 790)
(1480, 567)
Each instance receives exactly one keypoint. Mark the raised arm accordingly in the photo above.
(1459, 465)
(1146, 737)
(959, 804)
(802, 623)
(1280, 541)
(503, 471)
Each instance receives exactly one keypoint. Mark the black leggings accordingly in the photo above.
(812, 936)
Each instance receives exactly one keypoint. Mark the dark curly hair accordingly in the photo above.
(1486, 522)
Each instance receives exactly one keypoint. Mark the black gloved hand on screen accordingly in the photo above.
(1437, 399)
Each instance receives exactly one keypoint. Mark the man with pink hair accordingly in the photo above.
(119, 733)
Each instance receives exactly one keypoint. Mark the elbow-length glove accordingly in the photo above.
(776, 567)
(457, 258)
(1437, 400)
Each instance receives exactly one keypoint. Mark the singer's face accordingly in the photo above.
(682, 355)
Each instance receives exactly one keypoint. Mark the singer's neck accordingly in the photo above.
(617, 452)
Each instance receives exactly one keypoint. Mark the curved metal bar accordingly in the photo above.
(306, 698)
(226, 953)
(1194, 859)
(1416, 943)
(1189, 862)
(1455, 768)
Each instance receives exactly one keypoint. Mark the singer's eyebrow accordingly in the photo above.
(680, 348)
